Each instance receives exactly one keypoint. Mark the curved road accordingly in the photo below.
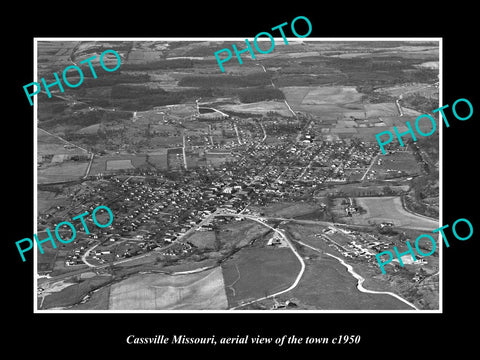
(87, 253)
(360, 279)
(302, 263)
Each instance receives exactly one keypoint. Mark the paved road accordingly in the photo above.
(84, 256)
(399, 107)
(371, 164)
(92, 155)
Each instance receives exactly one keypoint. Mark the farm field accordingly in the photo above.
(197, 291)
(389, 209)
(54, 53)
(321, 95)
(426, 90)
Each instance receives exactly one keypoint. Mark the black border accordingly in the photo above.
(412, 334)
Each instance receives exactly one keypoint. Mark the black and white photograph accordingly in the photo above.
(193, 179)
(259, 188)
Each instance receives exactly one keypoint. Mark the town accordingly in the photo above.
(253, 189)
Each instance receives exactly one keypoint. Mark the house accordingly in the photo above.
(275, 240)
(386, 224)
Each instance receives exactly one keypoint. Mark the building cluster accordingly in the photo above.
(163, 207)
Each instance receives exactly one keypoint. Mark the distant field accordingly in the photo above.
(198, 291)
(321, 95)
(92, 129)
(380, 209)
(295, 94)
(381, 109)
(115, 162)
(426, 90)
(325, 95)
(216, 160)
(119, 164)
(160, 161)
(325, 102)
(261, 107)
(166, 141)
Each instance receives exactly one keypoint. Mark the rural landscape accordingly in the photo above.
(261, 188)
